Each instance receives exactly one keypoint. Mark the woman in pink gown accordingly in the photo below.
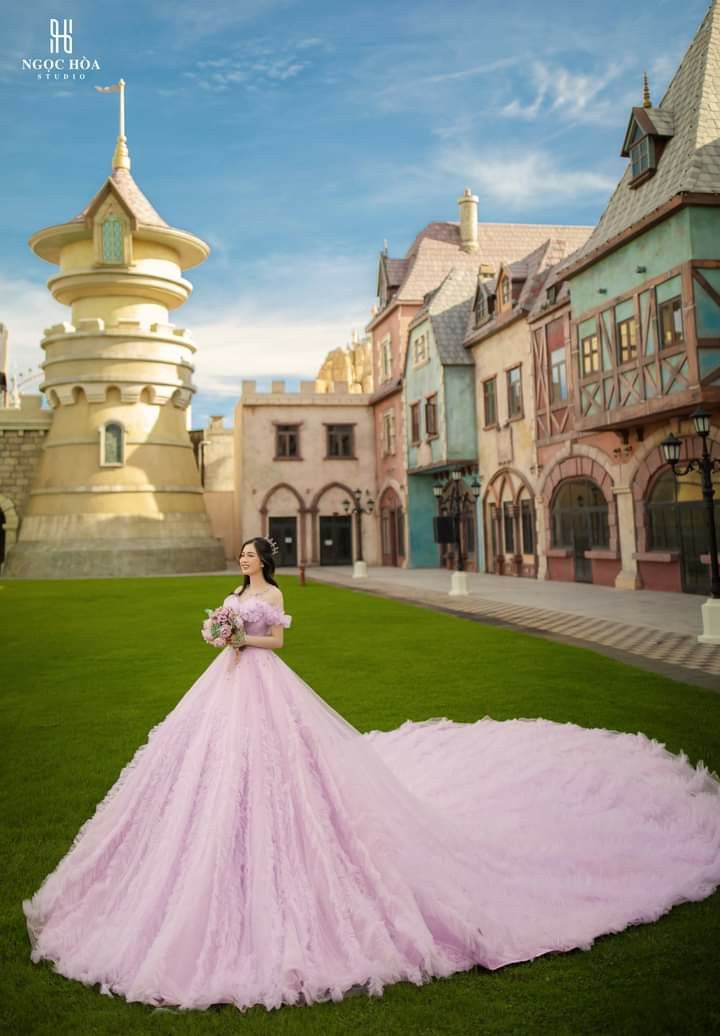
(259, 849)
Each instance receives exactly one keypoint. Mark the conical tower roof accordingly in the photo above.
(690, 161)
(122, 182)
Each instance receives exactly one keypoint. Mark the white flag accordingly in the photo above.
(115, 88)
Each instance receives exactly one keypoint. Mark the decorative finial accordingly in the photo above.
(647, 103)
(121, 155)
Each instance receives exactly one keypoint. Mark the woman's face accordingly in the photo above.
(249, 560)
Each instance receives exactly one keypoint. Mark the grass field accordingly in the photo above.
(88, 666)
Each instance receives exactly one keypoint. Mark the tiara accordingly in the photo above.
(274, 547)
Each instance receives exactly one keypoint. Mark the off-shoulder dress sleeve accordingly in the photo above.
(277, 617)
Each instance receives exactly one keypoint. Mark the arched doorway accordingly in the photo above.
(468, 540)
(281, 510)
(392, 528)
(676, 521)
(579, 523)
(509, 516)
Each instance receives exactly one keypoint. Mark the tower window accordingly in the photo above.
(112, 240)
(112, 444)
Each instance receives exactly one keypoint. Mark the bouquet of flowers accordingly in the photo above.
(223, 627)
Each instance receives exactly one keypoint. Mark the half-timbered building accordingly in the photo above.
(498, 340)
(640, 345)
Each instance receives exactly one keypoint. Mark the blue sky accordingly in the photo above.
(295, 137)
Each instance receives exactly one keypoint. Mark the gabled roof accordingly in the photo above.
(436, 250)
(690, 162)
(534, 270)
(653, 121)
(122, 184)
(447, 309)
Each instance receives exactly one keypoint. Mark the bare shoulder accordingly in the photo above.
(274, 596)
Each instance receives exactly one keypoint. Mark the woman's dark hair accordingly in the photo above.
(264, 552)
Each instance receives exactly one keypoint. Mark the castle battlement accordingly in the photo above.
(317, 389)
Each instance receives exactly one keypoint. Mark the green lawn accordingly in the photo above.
(88, 666)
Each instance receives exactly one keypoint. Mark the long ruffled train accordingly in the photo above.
(258, 849)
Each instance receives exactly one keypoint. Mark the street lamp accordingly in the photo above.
(705, 464)
(455, 504)
(356, 508)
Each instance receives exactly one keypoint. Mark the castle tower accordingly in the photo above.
(117, 490)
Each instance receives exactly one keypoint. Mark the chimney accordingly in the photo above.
(468, 221)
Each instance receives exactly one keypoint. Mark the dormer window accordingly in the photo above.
(112, 234)
(112, 240)
(642, 153)
(647, 134)
(480, 308)
(505, 291)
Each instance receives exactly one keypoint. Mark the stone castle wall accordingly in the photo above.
(23, 431)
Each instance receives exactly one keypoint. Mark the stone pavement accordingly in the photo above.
(650, 629)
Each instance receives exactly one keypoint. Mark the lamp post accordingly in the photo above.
(705, 464)
(455, 501)
(355, 507)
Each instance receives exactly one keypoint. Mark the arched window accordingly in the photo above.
(112, 444)
(676, 513)
(112, 240)
(580, 513)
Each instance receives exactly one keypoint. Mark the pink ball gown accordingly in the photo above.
(259, 849)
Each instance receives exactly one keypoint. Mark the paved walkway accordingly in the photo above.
(657, 630)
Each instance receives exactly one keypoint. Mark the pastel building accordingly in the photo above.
(403, 285)
(298, 457)
(498, 344)
(642, 350)
(438, 402)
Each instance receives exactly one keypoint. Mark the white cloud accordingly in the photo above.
(571, 95)
(236, 345)
(283, 321)
(27, 309)
(521, 178)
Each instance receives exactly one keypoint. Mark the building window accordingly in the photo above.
(514, 391)
(400, 531)
(580, 513)
(112, 240)
(672, 332)
(415, 422)
(420, 349)
(489, 402)
(481, 308)
(676, 514)
(590, 354)
(509, 523)
(642, 156)
(527, 515)
(112, 444)
(558, 375)
(388, 427)
(386, 359)
(287, 441)
(340, 440)
(626, 340)
(431, 414)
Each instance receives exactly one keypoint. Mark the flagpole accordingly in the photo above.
(121, 83)
(121, 155)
